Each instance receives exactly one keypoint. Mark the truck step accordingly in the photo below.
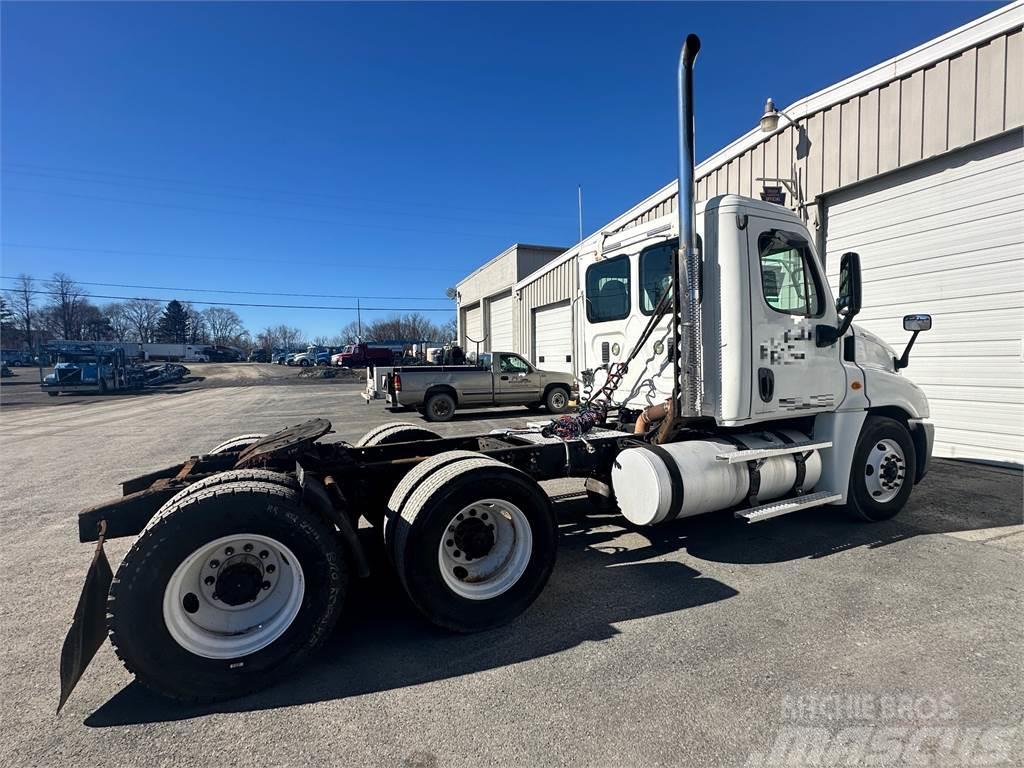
(765, 453)
(784, 507)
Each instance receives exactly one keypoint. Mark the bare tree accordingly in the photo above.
(197, 331)
(288, 336)
(223, 324)
(267, 339)
(120, 324)
(143, 316)
(22, 299)
(66, 299)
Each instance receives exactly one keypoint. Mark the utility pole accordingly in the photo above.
(359, 321)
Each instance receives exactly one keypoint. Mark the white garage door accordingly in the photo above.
(473, 329)
(552, 338)
(946, 238)
(500, 324)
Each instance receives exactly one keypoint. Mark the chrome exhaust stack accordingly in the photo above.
(687, 387)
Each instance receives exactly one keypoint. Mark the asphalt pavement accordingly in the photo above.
(704, 642)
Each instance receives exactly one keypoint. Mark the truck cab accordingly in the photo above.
(766, 312)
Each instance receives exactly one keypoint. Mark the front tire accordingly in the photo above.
(557, 400)
(882, 476)
(190, 612)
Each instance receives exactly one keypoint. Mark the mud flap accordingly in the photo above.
(89, 627)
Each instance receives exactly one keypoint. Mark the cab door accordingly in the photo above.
(789, 297)
(517, 380)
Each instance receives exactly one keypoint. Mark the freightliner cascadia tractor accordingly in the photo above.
(722, 374)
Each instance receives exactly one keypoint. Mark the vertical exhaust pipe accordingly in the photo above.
(687, 386)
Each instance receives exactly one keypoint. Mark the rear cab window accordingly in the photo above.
(608, 294)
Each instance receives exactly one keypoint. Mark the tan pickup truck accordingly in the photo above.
(498, 378)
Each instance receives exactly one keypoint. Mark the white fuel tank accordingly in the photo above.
(655, 483)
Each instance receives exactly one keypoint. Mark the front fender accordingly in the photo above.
(885, 388)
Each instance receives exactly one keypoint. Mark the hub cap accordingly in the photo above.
(485, 549)
(885, 471)
(558, 399)
(233, 596)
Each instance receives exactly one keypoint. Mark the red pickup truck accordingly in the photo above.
(362, 355)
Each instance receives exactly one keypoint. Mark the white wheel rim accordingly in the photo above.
(885, 470)
(500, 541)
(214, 629)
(558, 399)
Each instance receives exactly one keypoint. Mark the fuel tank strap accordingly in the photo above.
(676, 478)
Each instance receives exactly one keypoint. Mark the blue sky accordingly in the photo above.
(374, 150)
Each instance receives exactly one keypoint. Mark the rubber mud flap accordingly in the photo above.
(89, 627)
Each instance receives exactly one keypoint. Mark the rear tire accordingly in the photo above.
(396, 432)
(232, 476)
(440, 407)
(474, 544)
(882, 476)
(238, 443)
(159, 612)
(557, 400)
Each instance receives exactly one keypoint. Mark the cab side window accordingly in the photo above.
(513, 364)
(789, 281)
(608, 290)
(656, 273)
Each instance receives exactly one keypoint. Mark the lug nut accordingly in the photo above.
(460, 516)
(271, 568)
(472, 513)
(456, 553)
(483, 516)
(209, 581)
(229, 551)
(449, 543)
(214, 563)
(266, 585)
(247, 547)
(264, 554)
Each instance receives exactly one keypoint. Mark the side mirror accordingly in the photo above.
(847, 304)
(917, 323)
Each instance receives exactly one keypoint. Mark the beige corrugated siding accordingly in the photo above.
(969, 96)
(555, 285)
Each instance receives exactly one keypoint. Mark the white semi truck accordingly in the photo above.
(724, 375)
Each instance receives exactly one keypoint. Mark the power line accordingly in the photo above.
(379, 210)
(246, 260)
(286, 193)
(239, 304)
(255, 293)
(265, 216)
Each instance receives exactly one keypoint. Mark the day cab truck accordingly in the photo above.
(496, 379)
(363, 356)
(724, 375)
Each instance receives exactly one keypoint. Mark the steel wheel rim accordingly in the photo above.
(441, 407)
(483, 576)
(558, 399)
(885, 470)
(211, 627)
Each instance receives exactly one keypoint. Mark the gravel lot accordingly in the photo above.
(683, 644)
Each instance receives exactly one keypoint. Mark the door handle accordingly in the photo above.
(765, 384)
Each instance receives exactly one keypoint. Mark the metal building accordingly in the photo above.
(486, 306)
(917, 164)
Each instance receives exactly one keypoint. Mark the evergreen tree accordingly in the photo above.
(173, 325)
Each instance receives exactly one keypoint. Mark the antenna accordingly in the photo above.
(579, 200)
